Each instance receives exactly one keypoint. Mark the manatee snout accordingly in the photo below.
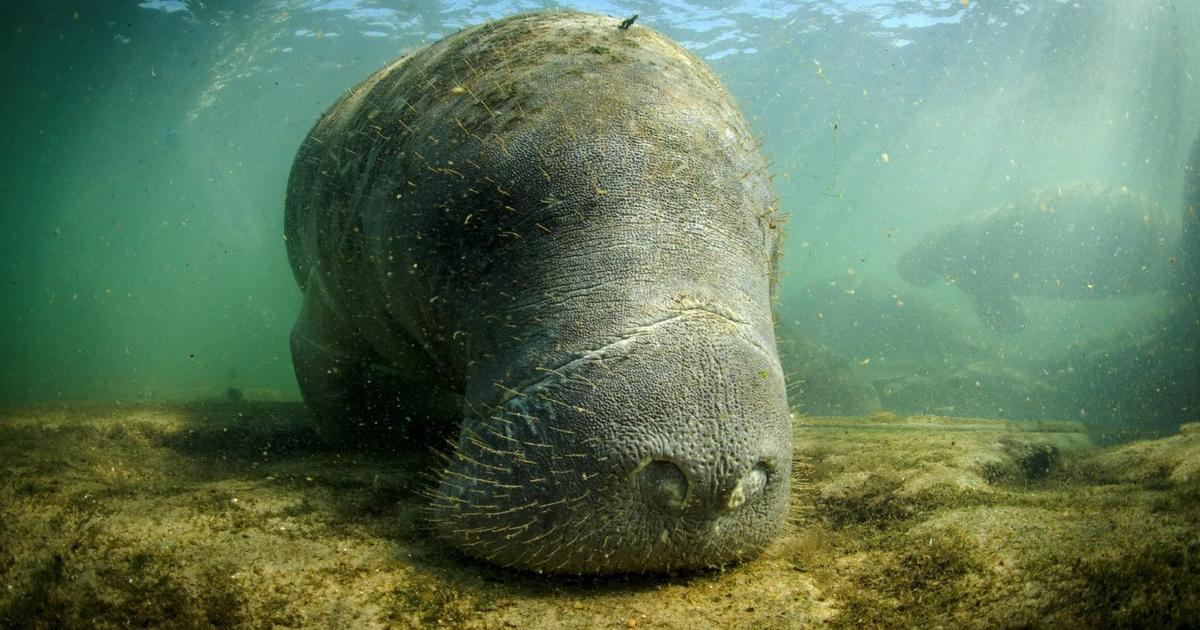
(694, 475)
(662, 484)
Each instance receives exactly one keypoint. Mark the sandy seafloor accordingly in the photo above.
(235, 515)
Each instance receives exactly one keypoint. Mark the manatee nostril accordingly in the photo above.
(749, 486)
(663, 484)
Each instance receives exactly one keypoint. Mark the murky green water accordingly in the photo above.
(991, 255)
(147, 146)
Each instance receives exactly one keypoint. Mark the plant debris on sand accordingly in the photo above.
(234, 514)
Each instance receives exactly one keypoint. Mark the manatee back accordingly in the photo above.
(528, 168)
(1077, 240)
(1093, 241)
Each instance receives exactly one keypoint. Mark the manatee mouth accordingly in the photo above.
(667, 450)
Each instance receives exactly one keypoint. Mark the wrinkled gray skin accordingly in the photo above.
(1072, 242)
(567, 228)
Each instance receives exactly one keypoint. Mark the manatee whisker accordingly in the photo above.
(473, 462)
(503, 436)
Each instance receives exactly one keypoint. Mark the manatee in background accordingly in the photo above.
(1146, 377)
(1190, 246)
(567, 227)
(1075, 241)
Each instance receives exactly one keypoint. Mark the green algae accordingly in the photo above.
(236, 515)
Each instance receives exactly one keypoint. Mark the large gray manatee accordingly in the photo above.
(567, 227)
(1080, 240)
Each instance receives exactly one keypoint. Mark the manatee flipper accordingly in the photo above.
(1000, 311)
(357, 398)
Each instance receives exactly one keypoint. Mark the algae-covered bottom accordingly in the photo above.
(234, 514)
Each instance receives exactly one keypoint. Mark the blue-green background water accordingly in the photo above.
(146, 148)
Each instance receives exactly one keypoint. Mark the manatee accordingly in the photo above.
(1190, 233)
(1145, 377)
(1075, 241)
(559, 237)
